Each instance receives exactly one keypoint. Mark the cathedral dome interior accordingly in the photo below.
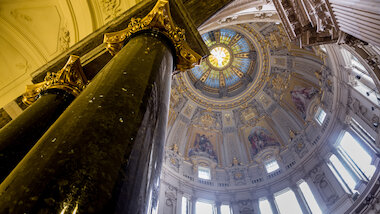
(258, 118)
(277, 119)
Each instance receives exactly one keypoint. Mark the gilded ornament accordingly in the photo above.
(158, 18)
(235, 162)
(70, 78)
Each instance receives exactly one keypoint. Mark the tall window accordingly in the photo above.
(364, 82)
(342, 174)
(370, 92)
(185, 206)
(264, 206)
(203, 208)
(287, 203)
(204, 172)
(309, 197)
(225, 209)
(357, 157)
(360, 130)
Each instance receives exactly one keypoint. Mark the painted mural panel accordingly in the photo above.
(299, 95)
(204, 144)
(261, 140)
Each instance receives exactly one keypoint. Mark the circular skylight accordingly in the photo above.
(219, 57)
(229, 68)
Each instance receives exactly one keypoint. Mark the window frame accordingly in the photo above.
(205, 169)
(270, 162)
(317, 114)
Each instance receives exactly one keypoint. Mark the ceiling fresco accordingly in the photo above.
(249, 101)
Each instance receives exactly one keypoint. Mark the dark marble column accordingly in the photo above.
(20, 135)
(106, 148)
(104, 153)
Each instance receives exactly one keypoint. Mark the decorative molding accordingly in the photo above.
(64, 38)
(158, 18)
(311, 22)
(17, 15)
(111, 8)
(70, 78)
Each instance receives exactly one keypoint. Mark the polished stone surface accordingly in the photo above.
(106, 148)
(20, 135)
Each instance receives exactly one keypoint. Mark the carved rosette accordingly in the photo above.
(158, 19)
(70, 78)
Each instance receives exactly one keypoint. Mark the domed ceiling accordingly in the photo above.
(229, 68)
(234, 72)
(254, 99)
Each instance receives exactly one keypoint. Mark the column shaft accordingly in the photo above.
(273, 205)
(193, 205)
(20, 135)
(218, 208)
(104, 154)
(256, 208)
(53, 95)
(179, 204)
(316, 194)
(347, 166)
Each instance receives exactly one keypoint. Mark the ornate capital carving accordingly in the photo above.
(70, 78)
(159, 19)
(311, 22)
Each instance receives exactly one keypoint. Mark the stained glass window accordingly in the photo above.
(230, 59)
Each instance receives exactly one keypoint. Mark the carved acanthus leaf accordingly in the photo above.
(158, 18)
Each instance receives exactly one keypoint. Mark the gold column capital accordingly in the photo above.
(70, 78)
(159, 19)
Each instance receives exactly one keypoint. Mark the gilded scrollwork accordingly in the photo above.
(158, 18)
(70, 78)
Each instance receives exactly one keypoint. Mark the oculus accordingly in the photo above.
(219, 57)
(229, 68)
